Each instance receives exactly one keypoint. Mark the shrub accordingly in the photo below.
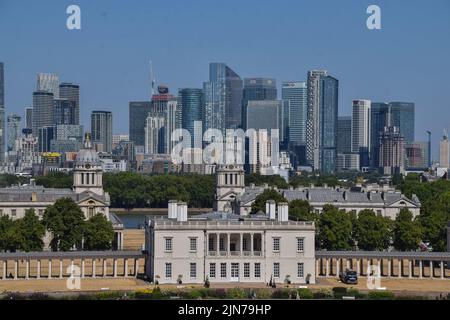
(263, 294)
(355, 293)
(323, 294)
(237, 293)
(381, 295)
(218, 293)
(281, 294)
(339, 292)
(304, 293)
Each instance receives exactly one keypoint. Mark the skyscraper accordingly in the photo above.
(2, 112)
(257, 89)
(71, 92)
(190, 101)
(296, 93)
(48, 82)
(392, 151)
(344, 140)
(154, 134)
(313, 117)
(43, 110)
(29, 118)
(101, 129)
(444, 151)
(379, 112)
(361, 130)
(13, 130)
(139, 111)
(45, 135)
(65, 112)
(223, 98)
(403, 117)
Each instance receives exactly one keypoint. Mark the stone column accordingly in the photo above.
(389, 268)
(338, 262)
(358, 267)
(431, 269)
(410, 269)
(93, 268)
(82, 268)
(136, 267)
(16, 269)
(218, 243)
(115, 268)
(38, 275)
(4, 270)
(347, 263)
(442, 270)
(251, 244)
(60, 268)
(228, 243)
(49, 269)
(327, 271)
(125, 267)
(241, 244)
(400, 268)
(27, 269)
(420, 269)
(104, 268)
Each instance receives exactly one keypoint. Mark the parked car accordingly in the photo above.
(349, 277)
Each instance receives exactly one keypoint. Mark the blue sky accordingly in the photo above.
(408, 60)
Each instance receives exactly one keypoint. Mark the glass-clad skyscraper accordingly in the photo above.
(2, 112)
(257, 89)
(296, 93)
(139, 111)
(191, 103)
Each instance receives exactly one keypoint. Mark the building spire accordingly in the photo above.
(87, 141)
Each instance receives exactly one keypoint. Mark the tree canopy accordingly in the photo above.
(260, 202)
(407, 232)
(334, 229)
(372, 231)
(98, 233)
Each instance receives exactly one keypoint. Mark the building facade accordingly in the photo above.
(101, 130)
(295, 92)
(2, 112)
(392, 151)
(138, 113)
(257, 89)
(13, 130)
(48, 82)
(43, 110)
(229, 248)
(71, 92)
(190, 101)
(444, 151)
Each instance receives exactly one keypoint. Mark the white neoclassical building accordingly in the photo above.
(228, 248)
(87, 190)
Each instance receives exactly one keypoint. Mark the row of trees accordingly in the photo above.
(66, 224)
(340, 230)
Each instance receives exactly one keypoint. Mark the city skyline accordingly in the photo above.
(129, 75)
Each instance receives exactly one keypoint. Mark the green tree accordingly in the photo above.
(269, 194)
(334, 229)
(32, 232)
(55, 180)
(407, 231)
(10, 237)
(272, 181)
(373, 232)
(98, 233)
(301, 210)
(65, 220)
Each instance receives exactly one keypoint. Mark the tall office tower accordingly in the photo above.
(392, 150)
(71, 92)
(154, 134)
(344, 141)
(257, 89)
(379, 112)
(13, 130)
(48, 82)
(328, 109)
(416, 154)
(361, 130)
(313, 117)
(296, 94)
(45, 136)
(223, 98)
(444, 151)
(68, 138)
(171, 125)
(403, 117)
(262, 116)
(191, 105)
(101, 130)
(29, 118)
(139, 111)
(65, 111)
(2, 112)
(43, 110)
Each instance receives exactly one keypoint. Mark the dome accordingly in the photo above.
(87, 156)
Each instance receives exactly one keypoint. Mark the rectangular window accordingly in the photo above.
(223, 270)
(300, 270)
(222, 244)
(276, 269)
(13, 212)
(276, 244)
(235, 270)
(245, 245)
(300, 244)
(379, 212)
(212, 270)
(168, 247)
(193, 270)
(257, 270)
(211, 244)
(193, 244)
(246, 270)
(168, 270)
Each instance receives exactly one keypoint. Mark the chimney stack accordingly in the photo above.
(270, 209)
(172, 209)
(283, 211)
(182, 212)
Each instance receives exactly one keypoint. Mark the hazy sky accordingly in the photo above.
(408, 60)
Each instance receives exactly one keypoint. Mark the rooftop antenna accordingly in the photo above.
(152, 80)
